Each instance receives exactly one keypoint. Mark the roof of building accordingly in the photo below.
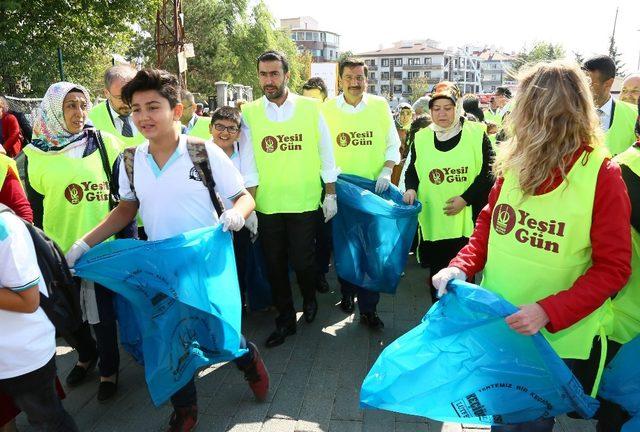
(402, 49)
(489, 55)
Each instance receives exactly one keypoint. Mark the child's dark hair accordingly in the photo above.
(163, 82)
(315, 83)
(420, 122)
(226, 113)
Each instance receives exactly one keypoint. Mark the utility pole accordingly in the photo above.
(170, 37)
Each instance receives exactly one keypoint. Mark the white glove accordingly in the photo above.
(252, 223)
(78, 249)
(231, 220)
(384, 180)
(442, 278)
(329, 206)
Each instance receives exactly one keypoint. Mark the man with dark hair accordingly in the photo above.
(114, 115)
(366, 144)
(617, 118)
(194, 125)
(315, 88)
(285, 151)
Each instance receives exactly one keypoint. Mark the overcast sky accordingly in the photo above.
(583, 26)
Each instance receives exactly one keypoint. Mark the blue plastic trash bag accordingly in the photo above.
(129, 328)
(372, 234)
(184, 293)
(621, 382)
(258, 287)
(464, 364)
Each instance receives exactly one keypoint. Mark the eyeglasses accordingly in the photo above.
(220, 128)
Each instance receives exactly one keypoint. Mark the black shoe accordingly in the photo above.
(346, 304)
(372, 320)
(107, 390)
(309, 310)
(323, 285)
(79, 373)
(279, 335)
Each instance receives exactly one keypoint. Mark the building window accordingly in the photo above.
(427, 74)
(293, 36)
(372, 62)
(372, 75)
(411, 75)
(323, 37)
(397, 75)
(397, 62)
(372, 89)
(384, 75)
(408, 88)
(397, 88)
(385, 62)
(427, 60)
(307, 36)
(384, 89)
(413, 61)
(315, 36)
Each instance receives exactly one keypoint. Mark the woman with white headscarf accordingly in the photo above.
(449, 173)
(69, 166)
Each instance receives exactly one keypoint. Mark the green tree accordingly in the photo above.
(419, 86)
(227, 40)
(88, 32)
(541, 51)
(617, 57)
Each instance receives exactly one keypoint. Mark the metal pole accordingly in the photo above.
(61, 65)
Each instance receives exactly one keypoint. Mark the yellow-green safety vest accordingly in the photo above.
(359, 139)
(444, 175)
(626, 304)
(493, 117)
(101, 119)
(540, 245)
(76, 191)
(621, 135)
(6, 164)
(201, 128)
(287, 158)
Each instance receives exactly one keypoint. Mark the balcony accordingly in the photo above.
(409, 67)
(429, 80)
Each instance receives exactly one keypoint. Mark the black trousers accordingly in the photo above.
(105, 346)
(289, 238)
(438, 254)
(324, 244)
(241, 242)
(35, 394)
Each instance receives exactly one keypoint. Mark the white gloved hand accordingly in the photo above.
(329, 206)
(442, 278)
(384, 180)
(231, 220)
(78, 249)
(252, 223)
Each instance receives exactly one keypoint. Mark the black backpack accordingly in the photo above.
(25, 126)
(62, 306)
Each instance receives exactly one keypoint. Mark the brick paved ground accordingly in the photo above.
(315, 379)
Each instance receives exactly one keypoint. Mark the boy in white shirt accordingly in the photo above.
(28, 343)
(172, 199)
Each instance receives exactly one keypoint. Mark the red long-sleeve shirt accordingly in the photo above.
(610, 243)
(12, 195)
(11, 135)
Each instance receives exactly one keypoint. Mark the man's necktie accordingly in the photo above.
(126, 126)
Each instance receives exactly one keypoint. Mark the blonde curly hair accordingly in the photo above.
(552, 117)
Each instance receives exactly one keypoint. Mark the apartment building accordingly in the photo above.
(323, 45)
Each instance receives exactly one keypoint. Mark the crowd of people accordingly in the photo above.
(539, 192)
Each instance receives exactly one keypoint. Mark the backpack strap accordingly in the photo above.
(128, 157)
(198, 154)
(106, 166)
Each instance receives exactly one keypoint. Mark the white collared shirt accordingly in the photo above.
(605, 116)
(278, 114)
(392, 152)
(191, 124)
(173, 200)
(118, 123)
